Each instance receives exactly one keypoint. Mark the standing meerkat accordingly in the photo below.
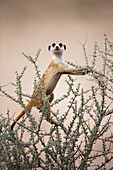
(49, 80)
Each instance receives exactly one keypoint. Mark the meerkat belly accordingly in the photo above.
(52, 83)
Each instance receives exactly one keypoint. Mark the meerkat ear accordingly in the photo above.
(49, 47)
(64, 47)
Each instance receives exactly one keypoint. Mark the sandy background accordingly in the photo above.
(26, 26)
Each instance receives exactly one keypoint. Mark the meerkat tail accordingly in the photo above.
(28, 107)
(17, 118)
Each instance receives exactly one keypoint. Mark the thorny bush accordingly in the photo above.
(85, 143)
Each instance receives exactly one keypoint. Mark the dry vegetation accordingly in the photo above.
(67, 147)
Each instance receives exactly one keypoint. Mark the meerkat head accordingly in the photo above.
(57, 48)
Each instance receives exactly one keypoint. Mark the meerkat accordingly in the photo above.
(56, 68)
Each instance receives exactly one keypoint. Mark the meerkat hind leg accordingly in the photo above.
(51, 97)
(50, 120)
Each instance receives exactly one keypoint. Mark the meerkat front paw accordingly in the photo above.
(57, 123)
(85, 71)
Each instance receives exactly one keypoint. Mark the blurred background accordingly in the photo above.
(26, 26)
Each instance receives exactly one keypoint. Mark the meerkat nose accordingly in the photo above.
(57, 48)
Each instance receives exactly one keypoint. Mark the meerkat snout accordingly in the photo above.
(57, 48)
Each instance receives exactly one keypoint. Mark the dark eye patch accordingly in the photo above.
(53, 45)
(60, 44)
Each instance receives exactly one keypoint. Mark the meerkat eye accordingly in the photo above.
(60, 44)
(53, 45)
